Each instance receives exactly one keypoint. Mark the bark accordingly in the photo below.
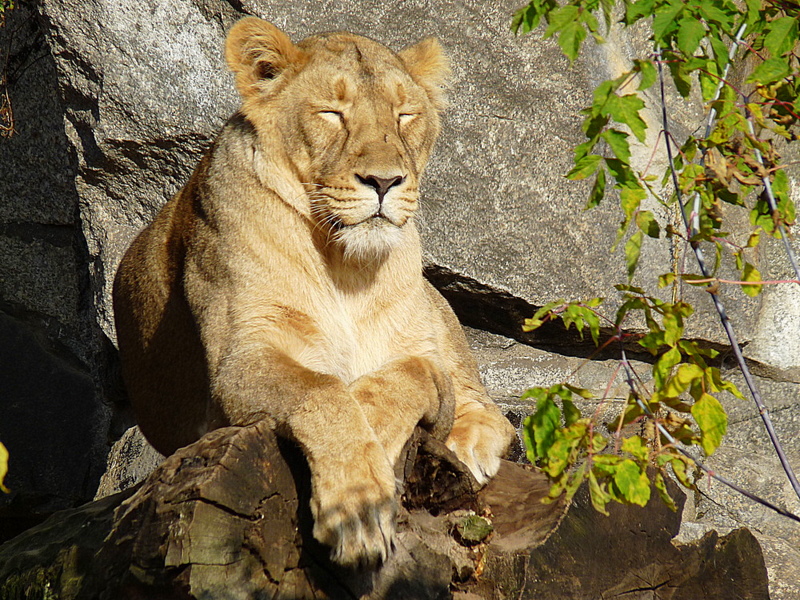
(227, 518)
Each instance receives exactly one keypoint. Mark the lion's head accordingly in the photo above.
(346, 118)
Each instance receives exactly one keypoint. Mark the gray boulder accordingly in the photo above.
(114, 104)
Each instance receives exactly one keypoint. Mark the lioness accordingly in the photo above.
(284, 282)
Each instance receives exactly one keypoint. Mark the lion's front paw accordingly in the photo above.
(480, 439)
(356, 514)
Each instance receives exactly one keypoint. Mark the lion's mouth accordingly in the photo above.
(381, 220)
(377, 220)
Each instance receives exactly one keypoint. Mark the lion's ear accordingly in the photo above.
(257, 52)
(428, 65)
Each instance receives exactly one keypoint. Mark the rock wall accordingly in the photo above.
(115, 100)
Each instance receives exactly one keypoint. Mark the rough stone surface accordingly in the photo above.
(145, 90)
(116, 100)
(775, 341)
(53, 414)
(47, 424)
(130, 462)
(745, 457)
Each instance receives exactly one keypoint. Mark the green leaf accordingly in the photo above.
(638, 10)
(601, 95)
(618, 142)
(679, 465)
(538, 318)
(636, 446)
(750, 273)
(753, 11)
(557, 456)
(585, 167)
(683, 377)
(770, 71)
(663, 366)
(583, 149)
(664, 21)
(780, 185)
(683, 82)
(710, 11)
(712, 420)
(630, 199)
(592, 24)
(708, 81)
(632, 482)
(593, 124)
(648, 224)
(690, 32)
(625, 109)
(782, 36)
(785, 206)
(754, 239)
(575, 480)
(543, 423)
(724, 384)
(571, 413)
(598, 190)
(673, 327)
(561, 18)
(661, 486)
(720, 52)
(593, 321)
(573, 315)
(622, 173)
(648, 73)
(570, 40)
(599, 496)
(522, 20)
(579, 391)
(606, 464)
(633, 248)
(666, 279)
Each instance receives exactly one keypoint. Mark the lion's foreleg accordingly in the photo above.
(402, 394)
(353, 485)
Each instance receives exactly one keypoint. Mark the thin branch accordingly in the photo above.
(734, 344)
(629, 378)
(771, 199)
(652, 154)
(767, 184)
(712, 115)
(718, 280)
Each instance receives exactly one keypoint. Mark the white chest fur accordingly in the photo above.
(358, 333)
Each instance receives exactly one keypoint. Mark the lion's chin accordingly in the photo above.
(370, 240)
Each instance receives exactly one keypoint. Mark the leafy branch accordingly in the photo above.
(697, 42)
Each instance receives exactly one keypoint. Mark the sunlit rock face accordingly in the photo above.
(115, 102)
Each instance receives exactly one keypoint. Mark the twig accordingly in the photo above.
(737, 352)
(736, 282)
(771, 199)
(712, 115)
(629, 378)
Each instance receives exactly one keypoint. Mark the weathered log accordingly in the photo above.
(228, 518)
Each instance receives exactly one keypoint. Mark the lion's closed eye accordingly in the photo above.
(332, 116)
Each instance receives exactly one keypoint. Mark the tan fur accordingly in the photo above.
(277, 285)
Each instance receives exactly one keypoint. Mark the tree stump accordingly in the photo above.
(228, 518)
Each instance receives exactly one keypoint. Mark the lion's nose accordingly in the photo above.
(380, 184)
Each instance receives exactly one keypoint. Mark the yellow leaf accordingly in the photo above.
(3, 467)
(750, 273)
